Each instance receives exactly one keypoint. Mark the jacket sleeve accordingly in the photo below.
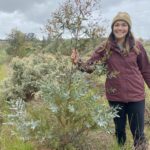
(89, 65)
(143, 61)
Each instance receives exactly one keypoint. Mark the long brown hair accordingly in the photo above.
(128, 44)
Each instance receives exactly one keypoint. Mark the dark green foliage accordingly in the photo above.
(64, 46)
(21, 44)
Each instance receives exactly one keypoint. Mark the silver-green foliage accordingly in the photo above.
(74, 107)
(19, 118)
(25, 74)
(73, 103)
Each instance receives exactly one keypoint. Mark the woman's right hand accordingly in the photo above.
(75, 56)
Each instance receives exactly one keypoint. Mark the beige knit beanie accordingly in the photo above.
(122, 16)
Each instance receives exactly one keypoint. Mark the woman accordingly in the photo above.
(127, 69)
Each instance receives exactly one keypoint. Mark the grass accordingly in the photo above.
(3, 60)
(3, 71)
(8, 142)
(14, 144)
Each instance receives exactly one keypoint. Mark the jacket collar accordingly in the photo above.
(114, 47)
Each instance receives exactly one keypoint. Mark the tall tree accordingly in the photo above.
(16, 41)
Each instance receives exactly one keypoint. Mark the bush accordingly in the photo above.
(73, 107)
(21, 44)
(23, 81)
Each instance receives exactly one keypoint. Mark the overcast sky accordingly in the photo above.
(31, 15)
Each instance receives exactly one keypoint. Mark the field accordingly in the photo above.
(35, 109)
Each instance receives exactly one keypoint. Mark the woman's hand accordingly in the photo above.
(75, 56)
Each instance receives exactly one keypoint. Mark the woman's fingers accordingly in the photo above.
(74, 56)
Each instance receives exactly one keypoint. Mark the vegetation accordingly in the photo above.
(72, 105)
(74, 19)
(46, 103)
(64, 113)
(21, 44)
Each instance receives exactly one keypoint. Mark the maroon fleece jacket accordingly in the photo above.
(125, 73)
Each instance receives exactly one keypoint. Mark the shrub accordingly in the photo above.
(25, 74)
(73, 107)
(21, 44)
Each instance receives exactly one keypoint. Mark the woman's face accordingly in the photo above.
(120, 29)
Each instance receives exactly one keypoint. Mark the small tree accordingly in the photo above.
(76, 19)
(16, 40)
(21, 44)
(76, 107)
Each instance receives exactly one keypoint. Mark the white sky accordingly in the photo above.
(31, 15)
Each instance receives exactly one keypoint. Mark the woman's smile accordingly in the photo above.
(120, 29)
